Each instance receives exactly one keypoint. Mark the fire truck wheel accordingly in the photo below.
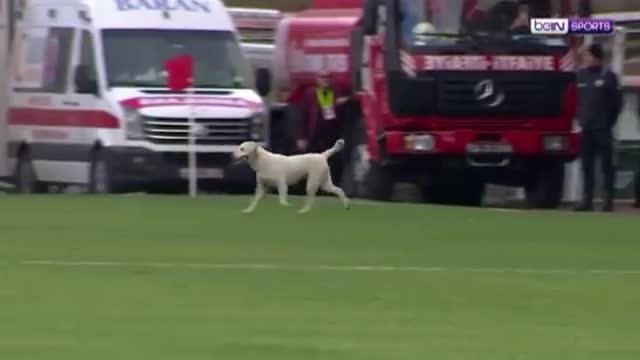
(378, 183)
(546, 188)
(470, 193)
(364, 178)
(636, 195)
(100, 175)
(26, 181)
(361, 176)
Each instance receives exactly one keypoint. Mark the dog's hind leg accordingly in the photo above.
(260, 191)
(312, 189)
(283, 192)
(329, 187)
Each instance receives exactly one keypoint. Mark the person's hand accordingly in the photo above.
(342, 100)
(521, 20)
(302, 144)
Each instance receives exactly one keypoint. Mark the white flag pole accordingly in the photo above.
(193, 166)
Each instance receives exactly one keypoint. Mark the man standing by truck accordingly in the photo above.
(637, 177)
(599, 104)
(321, 119)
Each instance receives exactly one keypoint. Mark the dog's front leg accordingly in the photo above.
(312, 189)
(260, 191)
(283, 190)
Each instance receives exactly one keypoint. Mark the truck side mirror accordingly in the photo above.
(370, 20)
(263, 81)
(84, 80)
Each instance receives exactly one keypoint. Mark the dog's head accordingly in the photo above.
(245, 152)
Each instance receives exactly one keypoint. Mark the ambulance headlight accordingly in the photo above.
(258, 126)
(134, 124)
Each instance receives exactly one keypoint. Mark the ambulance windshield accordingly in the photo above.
(445, 22)
(135, 58)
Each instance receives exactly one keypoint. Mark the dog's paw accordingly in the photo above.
(304, 210)
(285, 204)
(347, 204)
(248, 210)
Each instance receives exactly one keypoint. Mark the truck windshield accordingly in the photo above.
(136, 57)
(446, 22)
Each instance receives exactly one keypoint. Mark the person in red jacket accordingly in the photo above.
(321, 123)
(321, 115)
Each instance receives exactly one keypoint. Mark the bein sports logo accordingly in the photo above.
(551, 26)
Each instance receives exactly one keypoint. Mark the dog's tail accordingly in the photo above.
(339, 145)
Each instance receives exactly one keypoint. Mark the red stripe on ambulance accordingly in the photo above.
(63, 118)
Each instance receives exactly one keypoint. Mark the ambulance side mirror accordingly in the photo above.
(85, 81)
(263, 81)
(370, 20)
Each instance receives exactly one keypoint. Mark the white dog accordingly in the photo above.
(279, 171)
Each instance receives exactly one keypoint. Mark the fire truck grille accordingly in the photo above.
(460, 96)
(175, 131)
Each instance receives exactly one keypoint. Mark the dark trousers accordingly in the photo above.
(325, 137)
(597, 144)
(637, 188)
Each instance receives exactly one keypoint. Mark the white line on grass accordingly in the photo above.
(345, 268)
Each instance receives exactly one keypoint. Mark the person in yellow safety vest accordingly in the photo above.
(321, 123)
(321, 119)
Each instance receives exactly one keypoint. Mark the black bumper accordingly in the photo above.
(497, 169)
(140, 165)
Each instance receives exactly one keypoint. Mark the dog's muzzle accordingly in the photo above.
(240, 159)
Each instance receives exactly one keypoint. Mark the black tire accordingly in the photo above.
(546, 187)
(433, 194)
(363, 177)
(457, 193)
(378, 183)
(636, 183)
(101, 177)
(26, 181)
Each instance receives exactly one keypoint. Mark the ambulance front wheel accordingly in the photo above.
(101, 177)
(26, 181)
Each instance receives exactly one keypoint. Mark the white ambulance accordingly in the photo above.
(89, 103)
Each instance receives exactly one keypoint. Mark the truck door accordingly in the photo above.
(86, 91)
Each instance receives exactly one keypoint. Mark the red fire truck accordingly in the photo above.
(447, 94)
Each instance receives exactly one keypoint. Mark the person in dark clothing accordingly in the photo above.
(521, 23)
(637, 177)
(321, 121)
(636, 180)
(599, 105)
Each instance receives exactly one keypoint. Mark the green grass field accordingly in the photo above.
(141, 277)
